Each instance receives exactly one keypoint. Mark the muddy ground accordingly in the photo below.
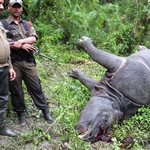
(12, 143)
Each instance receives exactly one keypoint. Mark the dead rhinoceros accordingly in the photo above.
(123, 88)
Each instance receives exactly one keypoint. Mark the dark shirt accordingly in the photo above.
(20, 55)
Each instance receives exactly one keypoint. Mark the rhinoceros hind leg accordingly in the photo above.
(80, 42)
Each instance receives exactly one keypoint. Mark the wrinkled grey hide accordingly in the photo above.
(123, 88)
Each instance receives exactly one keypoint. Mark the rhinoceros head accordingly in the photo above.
(96, 117)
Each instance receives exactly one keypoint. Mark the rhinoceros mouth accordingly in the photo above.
(101, 130)
(101, 134)
(94, 137)
(90, 133)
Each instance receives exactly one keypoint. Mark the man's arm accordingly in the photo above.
(29, 40)
(18, 44)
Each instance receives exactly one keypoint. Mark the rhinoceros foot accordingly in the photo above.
(140, 48)
(75, 73)
(81, 42)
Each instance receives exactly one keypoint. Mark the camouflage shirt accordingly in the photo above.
(4, 49)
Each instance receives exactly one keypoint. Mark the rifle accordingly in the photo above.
(35, 49)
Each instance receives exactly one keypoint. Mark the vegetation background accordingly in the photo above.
(116, 26)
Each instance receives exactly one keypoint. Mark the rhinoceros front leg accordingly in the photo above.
(107, 60)
(88, 82)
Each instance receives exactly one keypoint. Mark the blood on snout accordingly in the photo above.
(101, 134)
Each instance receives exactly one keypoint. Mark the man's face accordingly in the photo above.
(1, 5)
(15, 10)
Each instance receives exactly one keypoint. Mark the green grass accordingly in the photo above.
(67, 95)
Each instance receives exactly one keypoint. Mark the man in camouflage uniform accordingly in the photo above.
(6, 73)
(24, 64)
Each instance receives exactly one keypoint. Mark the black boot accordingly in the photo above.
(47, 116)
(21, 118)
(3, 129)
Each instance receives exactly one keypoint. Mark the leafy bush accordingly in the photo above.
(118, 27)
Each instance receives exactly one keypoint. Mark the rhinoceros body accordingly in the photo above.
(123, 88)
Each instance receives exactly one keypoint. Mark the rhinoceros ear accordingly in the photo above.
(118, 115)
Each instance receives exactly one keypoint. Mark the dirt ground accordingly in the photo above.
(11, 143)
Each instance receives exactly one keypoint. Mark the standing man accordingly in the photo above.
(6, 73)
(24, 63)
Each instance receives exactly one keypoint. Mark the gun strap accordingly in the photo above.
(18, 31)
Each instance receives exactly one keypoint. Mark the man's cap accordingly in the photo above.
(12, 2)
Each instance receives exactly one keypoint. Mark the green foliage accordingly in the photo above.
(70, 96)
(135, 130)
(4, 15)
(116, 26)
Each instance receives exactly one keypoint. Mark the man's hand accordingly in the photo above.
(17, 45)
(12, 74)
(27, 47)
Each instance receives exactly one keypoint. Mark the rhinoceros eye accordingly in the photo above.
(105, 119)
